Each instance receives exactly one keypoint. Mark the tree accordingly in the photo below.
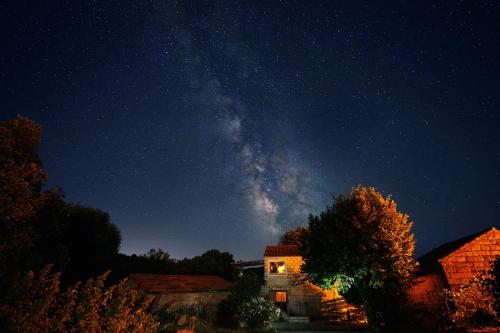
(21, 181)
(294, 236)
(212, 262)
(91, 240)
(362, 241)
(80, 242)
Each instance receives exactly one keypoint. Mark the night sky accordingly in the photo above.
(215, 124)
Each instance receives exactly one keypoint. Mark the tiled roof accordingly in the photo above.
(158, 283)
(430, 261)
(282, 251)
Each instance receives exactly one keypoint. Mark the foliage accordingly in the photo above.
(256, 313)
(362, 240)
(294, 236)
(91, 240)
(234, 311)
(21, 180)
(37, 227)
(471, 304)
(212, 262)
(80, 241)
(37, 304)
(178, 316)
(21, 173)
(492, 283)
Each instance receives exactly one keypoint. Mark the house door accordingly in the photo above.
(281, 300)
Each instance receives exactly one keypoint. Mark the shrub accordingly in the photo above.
(256, 313)
(177, 316)
(37, 304)
(493, 284)
(468, 306)
(245, 307)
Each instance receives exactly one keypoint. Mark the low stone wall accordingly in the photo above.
(210, 300)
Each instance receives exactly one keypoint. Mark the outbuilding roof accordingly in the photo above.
(159, 283)
(282, 251)
(430, 261)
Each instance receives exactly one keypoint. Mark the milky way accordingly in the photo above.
(202, 125)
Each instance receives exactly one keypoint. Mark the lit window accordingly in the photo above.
(281, 297)
(277, 268)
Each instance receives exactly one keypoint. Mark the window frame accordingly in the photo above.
(277, 265)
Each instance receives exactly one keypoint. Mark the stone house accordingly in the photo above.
(285, 285)
(184, 289)
(452, 265)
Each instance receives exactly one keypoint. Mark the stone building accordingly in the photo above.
(285, 285)
(452, 265)
(183, 289)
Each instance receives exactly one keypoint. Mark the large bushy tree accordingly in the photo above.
(363, 242)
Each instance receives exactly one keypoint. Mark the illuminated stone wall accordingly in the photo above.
(304, 298)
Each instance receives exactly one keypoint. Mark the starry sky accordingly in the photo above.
(220, 124)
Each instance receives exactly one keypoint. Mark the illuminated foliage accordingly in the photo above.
(21, 174)
(256, 313)
(37, 304)
(492, 283)
(21, 180)
(362, 241)
(471, 304)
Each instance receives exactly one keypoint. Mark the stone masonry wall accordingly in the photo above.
(304, 298)
(210, 299)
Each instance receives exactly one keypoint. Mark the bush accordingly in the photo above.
(245, 307)
(256, 313)
(177, 316)
(36, 304)
(492, 283)
(470, 305)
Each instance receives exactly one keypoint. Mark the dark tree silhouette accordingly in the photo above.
(294, 236)
(212, 262)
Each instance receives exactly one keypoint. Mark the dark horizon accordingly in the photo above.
(214, 125)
